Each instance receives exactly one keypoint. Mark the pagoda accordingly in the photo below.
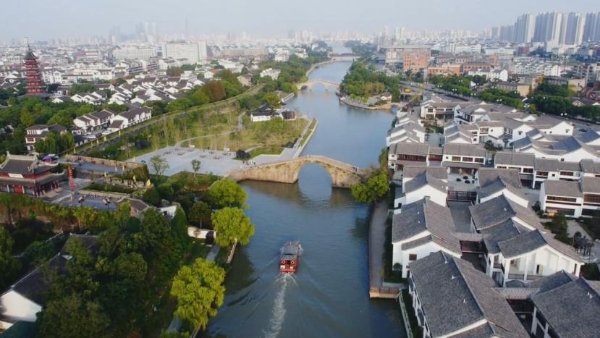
(33, 75)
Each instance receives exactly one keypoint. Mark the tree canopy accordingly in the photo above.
(9, 265)
(199, 291)
(374, 189)
(226, 193)
(231, 225)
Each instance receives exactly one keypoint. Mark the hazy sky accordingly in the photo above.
(43, 19)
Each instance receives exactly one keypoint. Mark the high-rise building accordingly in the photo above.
(33, 77)
(591, 31)
(194, 52)
(572, 28)
(548, 27)
(524, 28)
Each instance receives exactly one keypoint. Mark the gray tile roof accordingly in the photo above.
(498, 233)
(455, 295)
(562, 188)
(500, 209)
(590, 185)
(589, 166)
(489, 175)
(436, 172)
(533, 240)
(422, 180)
(464, 150)
(422, 216)
(552, 281)
(410, 148)
(496, 186)
(511, 158)
(571, 309)
(546, 164)
(589, 136)
(22, 164)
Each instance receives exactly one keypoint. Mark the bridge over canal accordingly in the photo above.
(329, 85)
(343, 175)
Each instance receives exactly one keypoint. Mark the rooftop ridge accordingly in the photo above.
(470, 290)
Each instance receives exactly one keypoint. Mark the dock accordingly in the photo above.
(377, 287)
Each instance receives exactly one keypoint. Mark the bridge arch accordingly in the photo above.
(342, 175)
(329, 85)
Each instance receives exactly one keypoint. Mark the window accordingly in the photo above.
(520, 132)
(528, 170)
(479, 160)
(541, 173)
(567, 173)
(467, 159)
(456, 158)
(501, 167)
(587, 198)
(412, 257)
(561, 199)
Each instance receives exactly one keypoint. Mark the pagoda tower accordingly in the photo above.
(33, 75)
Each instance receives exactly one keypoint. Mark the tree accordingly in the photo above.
(374, 189)
(174, 334)
(199, 214)
(272, 100)
(226, 193)
(9, 265)
(196, 166)
(73, 317)
(159, 164)
(232, 225)
(199, 291)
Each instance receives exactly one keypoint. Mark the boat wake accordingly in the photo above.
(279, 310)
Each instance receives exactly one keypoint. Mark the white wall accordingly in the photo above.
(18, 307)
(435, 195)
(401, 257)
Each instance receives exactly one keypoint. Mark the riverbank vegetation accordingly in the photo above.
(363, 81)
(365, 50)
(376, 186)
(121, 284)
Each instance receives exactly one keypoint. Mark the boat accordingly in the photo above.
(290, 257)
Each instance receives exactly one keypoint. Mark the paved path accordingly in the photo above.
(376, 244)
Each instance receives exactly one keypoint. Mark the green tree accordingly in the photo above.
(151, 196)
(272, 100)
(196, 166)
(73, 317)
(26, 118)
(159, 164)
(374, 189)
(9, 265)
(226, 193)
(232, 225)
(174, 334)
(199, 214)
(199, 291)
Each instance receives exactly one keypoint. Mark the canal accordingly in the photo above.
(329, 295)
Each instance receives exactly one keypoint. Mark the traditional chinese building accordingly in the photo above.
(33, 76)
(28, 175)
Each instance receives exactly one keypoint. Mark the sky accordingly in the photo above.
(46, 19)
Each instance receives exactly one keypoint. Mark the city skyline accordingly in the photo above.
(264, 17)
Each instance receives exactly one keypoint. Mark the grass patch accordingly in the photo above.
(414, 324)
(309, 132)
(191, 182)
(273, 150)
(389, 275)
(109, 188)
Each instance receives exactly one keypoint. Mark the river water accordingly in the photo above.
(328, 297)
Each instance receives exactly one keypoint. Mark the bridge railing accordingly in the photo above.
(324, 159)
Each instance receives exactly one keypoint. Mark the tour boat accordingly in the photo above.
(290, 257)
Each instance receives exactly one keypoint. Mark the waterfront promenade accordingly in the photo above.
(378, 288)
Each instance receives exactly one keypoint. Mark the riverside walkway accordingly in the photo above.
(377, 287)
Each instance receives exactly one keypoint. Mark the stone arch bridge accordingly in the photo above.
(343, 175)
(329, 85)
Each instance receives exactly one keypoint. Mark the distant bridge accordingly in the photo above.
(343, 175)
(343, 56)
(329, 85)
